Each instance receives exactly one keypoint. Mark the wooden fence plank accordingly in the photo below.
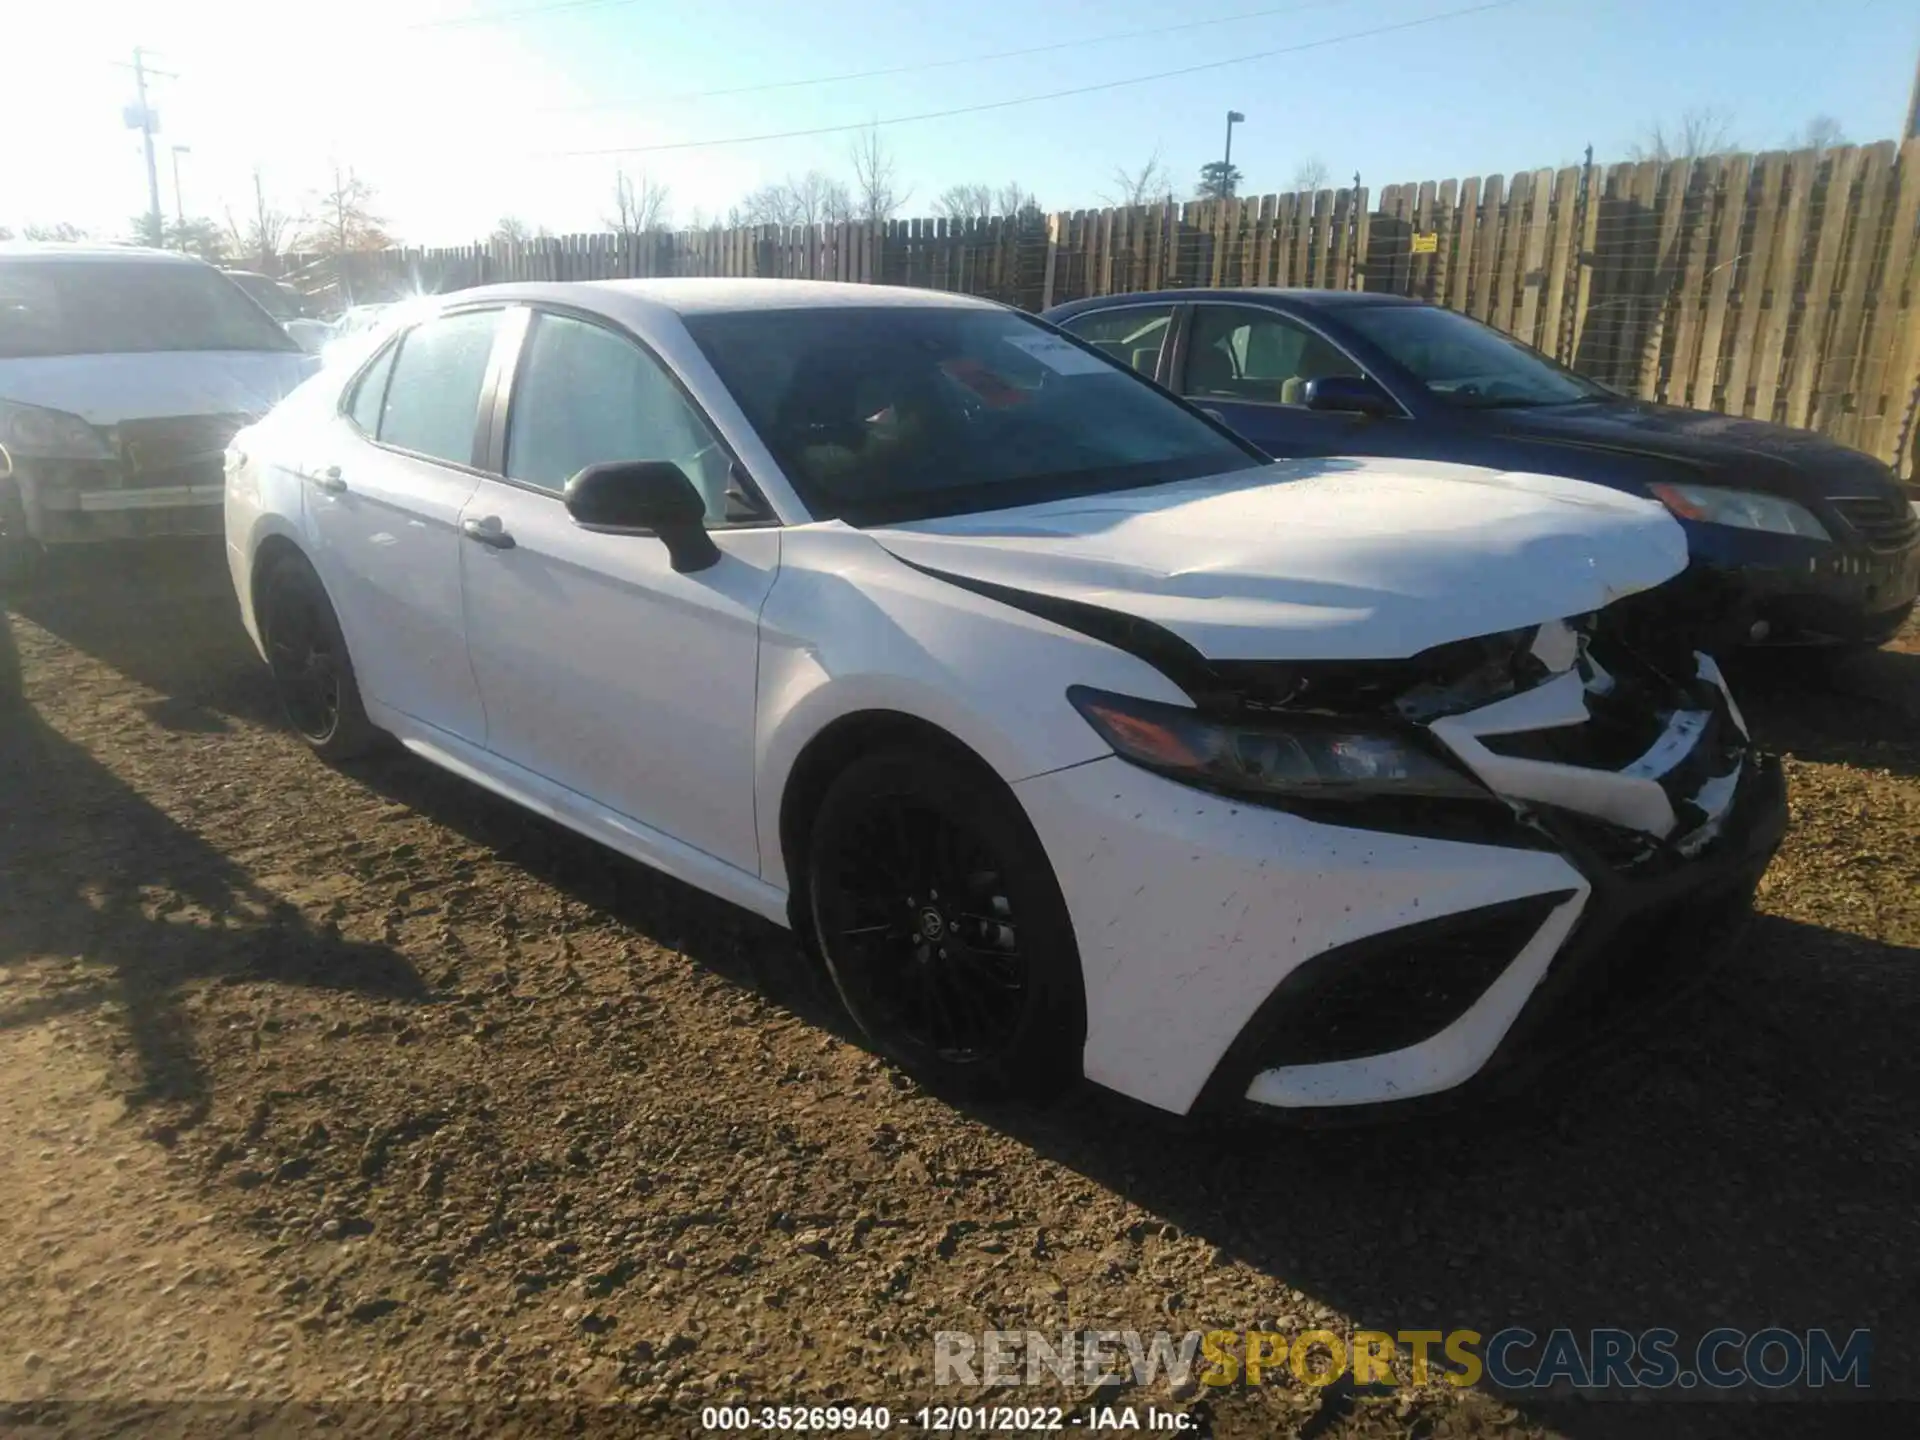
(1340, 275)
(1533, 275)
(1817, 306)
(1560, 260)
(1883, 389)
(1756, 278)
(1420, 279)
(1836, 405)
(1493, 226)
(1445, 214)
(1697, 227)
(1322, 253)
(1728, 266)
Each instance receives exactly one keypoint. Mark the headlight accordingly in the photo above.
(1305, 757)
(32, 432)
(1743, 509)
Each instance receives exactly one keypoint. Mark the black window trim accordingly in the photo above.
(501, 394)
(1162, 363)
(1179, 376)
(397, 343)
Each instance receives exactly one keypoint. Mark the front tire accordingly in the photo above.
(312, 672)
(20, 553)
(943, 928)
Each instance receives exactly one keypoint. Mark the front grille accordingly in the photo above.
(176, 450)
(1885, 522)
(1390, 991)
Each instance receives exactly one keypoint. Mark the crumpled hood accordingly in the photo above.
(108, 389)
(1355, 559)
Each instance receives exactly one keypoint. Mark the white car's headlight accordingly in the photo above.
(1743, 509)
(1304, 757)
(33, 432)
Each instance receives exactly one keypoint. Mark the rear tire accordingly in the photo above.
(943, 929)
(312, 672)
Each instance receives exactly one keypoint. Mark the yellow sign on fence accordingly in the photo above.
(1426, 242)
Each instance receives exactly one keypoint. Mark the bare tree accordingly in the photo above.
(343, 217)
(511, 230)
(1015, 199)
(876, 182)
(1819, 135)
(809, 199)
(964, 202)
(261, 236)
(638, 206)
(1309, 174)
(1148, 185)
(1705, 131)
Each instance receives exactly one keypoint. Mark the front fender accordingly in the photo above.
(849, 629)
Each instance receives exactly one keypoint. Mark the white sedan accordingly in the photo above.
(1072, 735)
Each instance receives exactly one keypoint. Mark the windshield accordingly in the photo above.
(1466, 363)
(266, 293)
(903, 412)
(113, 307)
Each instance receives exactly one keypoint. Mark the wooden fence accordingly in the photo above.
(1780, 285)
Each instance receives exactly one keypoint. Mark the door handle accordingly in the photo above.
(490, 535)
(329, 481)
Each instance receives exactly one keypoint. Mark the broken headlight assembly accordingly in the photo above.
(33, 432)
(1300, 757)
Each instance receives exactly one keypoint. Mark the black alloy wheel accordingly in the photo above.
(307, 654)
(943, 929)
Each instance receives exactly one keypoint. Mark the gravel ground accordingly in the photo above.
(340, 1087)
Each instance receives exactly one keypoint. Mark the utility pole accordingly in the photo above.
(1234, 117)
(179, 209)
(139, 116)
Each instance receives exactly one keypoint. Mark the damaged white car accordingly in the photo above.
(123, 374)
(1073, 736)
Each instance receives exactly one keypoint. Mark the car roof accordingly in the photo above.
(1279, 297)
(70, 252)
(694, 295)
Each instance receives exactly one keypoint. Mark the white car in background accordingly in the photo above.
(1077, 738)
(123, 374)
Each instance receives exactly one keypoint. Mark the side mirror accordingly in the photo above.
(1349, 394)
(645, 497)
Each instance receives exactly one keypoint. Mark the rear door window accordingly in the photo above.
(370, 392)
(433, 396)
(1132, 334)
(1238, 353)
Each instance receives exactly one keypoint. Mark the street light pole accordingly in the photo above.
(179, 209)
(146, 138)
(1234, 117)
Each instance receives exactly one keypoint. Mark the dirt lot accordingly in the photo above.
(364, 1086)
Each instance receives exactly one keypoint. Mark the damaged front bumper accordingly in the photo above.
(152, 478)
(1238, 953)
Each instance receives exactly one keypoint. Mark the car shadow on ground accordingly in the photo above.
(110, 903)
(163, 616)
(1862, 711)
(1749, 1160)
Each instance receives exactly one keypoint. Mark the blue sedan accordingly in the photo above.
(1795, 540)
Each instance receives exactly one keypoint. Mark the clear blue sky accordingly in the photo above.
(457, 124)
